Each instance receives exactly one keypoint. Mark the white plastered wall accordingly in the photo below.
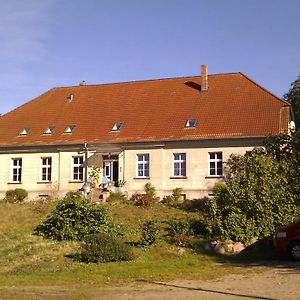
(197, 183)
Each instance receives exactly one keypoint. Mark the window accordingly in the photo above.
(25, 131)
(191, 123)
(70, 129)
(179, 164)
(215, 164)
(46, 164)
(117, 126)
(49, 130)
(16, 171)
(142, 165)
(77, 168)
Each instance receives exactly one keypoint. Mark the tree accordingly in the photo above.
(293, 96)
(255, 200)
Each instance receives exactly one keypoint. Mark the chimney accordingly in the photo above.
(204, 78)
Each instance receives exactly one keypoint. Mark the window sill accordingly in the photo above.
(178, 177)
(141, 178)
(44, 182)
(15, 182)
(76, 181)
(214, 177)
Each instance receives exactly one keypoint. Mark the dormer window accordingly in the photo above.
(117, 126)
(191, 123)
(49, 130)
(25, 131)
(70, 129)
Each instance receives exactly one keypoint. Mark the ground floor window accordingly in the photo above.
(46, 166)
(179, 164)
(143, 165)
(215, 164)
(16, 170)
(77, 168)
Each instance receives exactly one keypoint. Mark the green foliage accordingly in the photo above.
(16, 195)
(75, 217)
(179, 227)
(94, 175)
(293, 96)
(194, 204)
(150, 233)
(255, 200)
(101, 247)
(150, 190)
(287, 148)
(116, 197)
(143, 199)
(173, 200)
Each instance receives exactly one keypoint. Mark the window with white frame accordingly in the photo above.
(215, 164)
(77, 168)
(16, 170)
(179, 164)
(142, 165)
(46, 166)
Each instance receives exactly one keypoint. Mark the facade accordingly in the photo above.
(174, 132)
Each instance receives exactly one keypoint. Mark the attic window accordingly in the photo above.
(70, 129)
(25, 131)
(49, 130)
(191, 123)
(117, 126)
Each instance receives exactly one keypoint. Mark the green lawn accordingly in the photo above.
(28, 261)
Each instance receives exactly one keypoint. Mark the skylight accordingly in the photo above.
(49, 130)
(70, 129)
(117, 126)
(25, 131)
(191, 123)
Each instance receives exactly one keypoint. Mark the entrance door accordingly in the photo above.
(111, 171)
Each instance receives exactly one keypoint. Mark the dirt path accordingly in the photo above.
(276, 283)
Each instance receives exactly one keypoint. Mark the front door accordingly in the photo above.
(111, 171)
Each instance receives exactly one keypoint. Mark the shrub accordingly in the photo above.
(10, 196)
(143, 199)
(116, 197)
(179, 227)
(174, 199)
(150, 190)
(75, 217)
(255, 200)
(195, 204)
(16, 195)
(101, 247)
(21, 194)
(150, 233)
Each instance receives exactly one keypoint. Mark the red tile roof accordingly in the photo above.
(234, 106)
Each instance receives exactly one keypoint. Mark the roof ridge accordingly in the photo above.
(142, 80)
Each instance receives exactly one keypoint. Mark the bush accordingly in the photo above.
(21, 194)
(179, 227)
(16, 195)
(255, 200)
(174, 199)
(150, 190)
(75, 217)
(195, 204)
(150, 233)
(143, 199)
(116, 197)
(101, 247)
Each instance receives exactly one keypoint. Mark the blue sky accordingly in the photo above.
(49, 43)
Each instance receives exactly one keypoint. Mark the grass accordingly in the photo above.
(28, 261)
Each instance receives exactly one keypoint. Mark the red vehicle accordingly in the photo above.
(287, 240)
